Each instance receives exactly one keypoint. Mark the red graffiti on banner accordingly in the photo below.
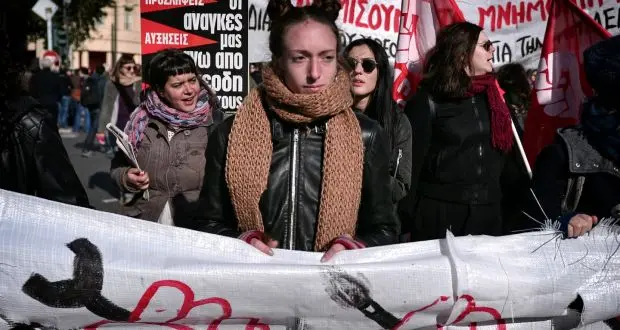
(189, 303)
(472, 308)
(513, 13)
(374, 17)
(409, 315)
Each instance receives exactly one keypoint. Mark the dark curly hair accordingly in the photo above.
(445, 66)
(283, 14)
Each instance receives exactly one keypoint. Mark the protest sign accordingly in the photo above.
(212, 32)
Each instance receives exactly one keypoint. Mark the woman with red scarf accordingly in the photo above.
(461, 138)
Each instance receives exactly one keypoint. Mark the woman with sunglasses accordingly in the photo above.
(462, 136)
(120, 97)
(371, 83)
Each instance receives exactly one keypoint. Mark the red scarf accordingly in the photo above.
(501, 122)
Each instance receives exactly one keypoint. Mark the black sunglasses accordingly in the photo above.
(487, 45)
(368, 65)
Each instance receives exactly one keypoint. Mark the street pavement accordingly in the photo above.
(94, 174)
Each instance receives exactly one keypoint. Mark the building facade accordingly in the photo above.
(100, 47)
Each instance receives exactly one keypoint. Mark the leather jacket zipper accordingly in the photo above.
(290, 244)
(400, 155)
(481, 129)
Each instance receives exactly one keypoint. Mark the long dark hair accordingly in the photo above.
(445, 65)
(381, 106)
(283, 14)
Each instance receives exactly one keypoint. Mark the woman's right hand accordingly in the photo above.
(580, 224)
(137, 179)
(260, 241)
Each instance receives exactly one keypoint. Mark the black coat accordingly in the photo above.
(47, 87)
(400, 161)
(34, 160)
(456, 177)
(377, 224)
(572, 156)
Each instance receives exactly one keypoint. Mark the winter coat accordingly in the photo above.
(569, 158)
(109, 104)
(34, 160)
(453, 164)
(377, 223)
(176, 170)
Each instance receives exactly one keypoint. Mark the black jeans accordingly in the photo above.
(89, 143)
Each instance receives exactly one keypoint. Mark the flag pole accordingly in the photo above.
(521, 150)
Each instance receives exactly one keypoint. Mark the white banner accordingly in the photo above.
(516, 27)
(376, 19)
(65, 267)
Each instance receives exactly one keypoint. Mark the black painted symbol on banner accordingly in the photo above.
(83, 290)
(351, 292)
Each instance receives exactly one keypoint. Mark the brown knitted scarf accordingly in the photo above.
(250, 148)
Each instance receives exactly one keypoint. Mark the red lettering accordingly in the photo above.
(387, 11)
(538, 6)
(358, 22)
(504, 14)
(484, 13)
(348, 7)
(499, 16)
(374, 17)
(518, 15)
(188, 304)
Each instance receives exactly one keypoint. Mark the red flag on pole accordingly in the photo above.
(420, 21)
(561, 84)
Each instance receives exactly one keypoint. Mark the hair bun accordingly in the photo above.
(330, 7)
(276, 9)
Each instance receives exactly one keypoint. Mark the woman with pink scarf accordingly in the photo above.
(169, 131)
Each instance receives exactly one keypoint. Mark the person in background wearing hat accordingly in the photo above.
(577, 178)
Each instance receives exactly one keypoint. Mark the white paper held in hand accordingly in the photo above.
(122, 142)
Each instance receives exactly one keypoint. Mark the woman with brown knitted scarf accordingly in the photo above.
(296, 168)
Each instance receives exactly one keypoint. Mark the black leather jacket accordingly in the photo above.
(33, 158)
(453, 158)
(377, 223)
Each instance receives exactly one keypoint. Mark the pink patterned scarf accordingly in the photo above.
(153, 107)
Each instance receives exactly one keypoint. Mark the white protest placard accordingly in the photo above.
(376, 19)
(517, 28)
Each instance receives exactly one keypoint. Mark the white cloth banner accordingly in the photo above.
(66, 267)
(516, 27)
(376, 19)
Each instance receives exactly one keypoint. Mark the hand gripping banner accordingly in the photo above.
(64, 267)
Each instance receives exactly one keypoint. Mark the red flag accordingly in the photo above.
(419, 24)
(561, 84)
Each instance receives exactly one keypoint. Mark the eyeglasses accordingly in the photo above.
(368, 65)
(487, 45)
(130, 67)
